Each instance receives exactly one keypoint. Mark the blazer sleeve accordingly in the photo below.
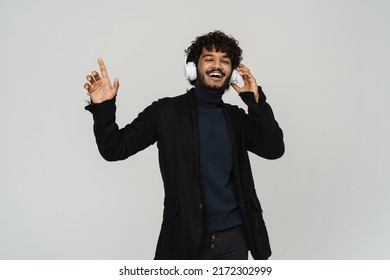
(118, 144)
(262, 134)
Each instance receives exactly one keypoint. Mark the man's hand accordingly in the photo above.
(249, 81)
(99, 88)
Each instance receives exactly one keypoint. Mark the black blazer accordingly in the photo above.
(172, 123)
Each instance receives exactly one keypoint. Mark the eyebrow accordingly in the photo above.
(211, 55)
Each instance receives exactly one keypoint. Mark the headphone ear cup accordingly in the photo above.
(235, 77)
(190, 71)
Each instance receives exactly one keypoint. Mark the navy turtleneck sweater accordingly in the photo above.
(220, 206)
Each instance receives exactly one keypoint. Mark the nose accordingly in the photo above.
(217, 64)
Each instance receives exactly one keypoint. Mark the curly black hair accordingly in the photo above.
(218, 40)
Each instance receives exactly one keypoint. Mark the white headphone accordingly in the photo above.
(190, 73)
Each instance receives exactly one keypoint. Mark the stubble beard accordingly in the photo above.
(202, 82)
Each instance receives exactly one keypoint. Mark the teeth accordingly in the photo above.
(215, 74)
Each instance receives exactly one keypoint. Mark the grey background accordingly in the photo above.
(324, 66)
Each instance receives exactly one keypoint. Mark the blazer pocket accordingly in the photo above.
(171, 208)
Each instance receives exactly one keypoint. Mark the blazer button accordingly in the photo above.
(241, 200)
(201, 206)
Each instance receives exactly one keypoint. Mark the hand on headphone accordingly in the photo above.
(250, 83)
(100, 88)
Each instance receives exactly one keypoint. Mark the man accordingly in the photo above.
(211, 210)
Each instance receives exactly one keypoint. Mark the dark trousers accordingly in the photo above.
(224, 245)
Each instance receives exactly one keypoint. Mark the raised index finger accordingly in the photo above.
(103, 69)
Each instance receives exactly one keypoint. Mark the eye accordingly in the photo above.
(226, 61)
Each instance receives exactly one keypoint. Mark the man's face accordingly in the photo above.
(214, 70)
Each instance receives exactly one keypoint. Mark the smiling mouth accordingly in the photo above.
(216, 74)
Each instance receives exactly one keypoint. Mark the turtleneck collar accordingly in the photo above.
(207, 98)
